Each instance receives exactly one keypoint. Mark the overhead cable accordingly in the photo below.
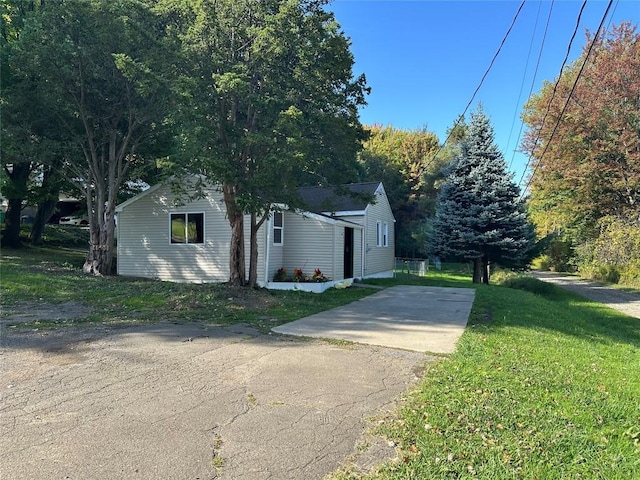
(555, 88)
(457, 122)
(573, 87)
(535, 74)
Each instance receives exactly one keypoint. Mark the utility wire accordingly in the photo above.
(535, 74)
(457, 122)
(524, 76)
(553, 93)
(575, 83)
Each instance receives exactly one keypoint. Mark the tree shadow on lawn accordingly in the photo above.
(556, 309)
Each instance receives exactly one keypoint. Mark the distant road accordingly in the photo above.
(625, 302)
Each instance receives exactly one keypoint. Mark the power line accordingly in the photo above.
(535, 73)
(575, 83)
(457, 122)
(555, 88)
(524, 76)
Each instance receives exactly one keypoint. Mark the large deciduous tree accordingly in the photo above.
(479, 216)
(586, 164)
(404, 161)
(101, 66)
(270, 103)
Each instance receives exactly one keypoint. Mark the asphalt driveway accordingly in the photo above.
(191, 401)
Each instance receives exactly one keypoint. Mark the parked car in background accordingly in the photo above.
(70, 211)
(81, 221)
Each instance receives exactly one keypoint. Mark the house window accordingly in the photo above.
(187, 228)
(378, 234)
(385, 234)
(278, 220)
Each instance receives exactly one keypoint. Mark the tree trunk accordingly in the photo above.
(11, 235)
(50, 191)
(253, 250)
(236, 250)
(43, 214)
(236, 253)
(486, 273)
(15, 192)
(477, 270)
(100, 257)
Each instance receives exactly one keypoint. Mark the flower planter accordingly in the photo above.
(305, 286)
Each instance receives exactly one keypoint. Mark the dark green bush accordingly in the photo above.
(60, 236)
(528, 284)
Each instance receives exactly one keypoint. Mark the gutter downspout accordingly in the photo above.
(363, 247)
(267, 251)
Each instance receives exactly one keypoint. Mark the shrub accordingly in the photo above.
(528, 284)
(281, 275)
(613, 256)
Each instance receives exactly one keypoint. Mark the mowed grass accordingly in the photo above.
(542, 386)
(34, 277)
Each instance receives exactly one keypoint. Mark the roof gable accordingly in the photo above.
(331, 199)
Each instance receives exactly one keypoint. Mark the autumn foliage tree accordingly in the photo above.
(586, 163)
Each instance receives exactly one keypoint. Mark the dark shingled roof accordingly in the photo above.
(331, 199)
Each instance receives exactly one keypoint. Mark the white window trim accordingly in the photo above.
(378, 233)
(204, 228)
(385, 234)
(281, 228)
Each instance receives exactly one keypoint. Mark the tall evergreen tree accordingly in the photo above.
(479, 216)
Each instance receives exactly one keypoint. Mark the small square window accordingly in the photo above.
(187, 228)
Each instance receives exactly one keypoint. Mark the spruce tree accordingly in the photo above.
(479, 216)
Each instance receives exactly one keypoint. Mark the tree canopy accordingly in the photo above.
(479, 215)
(268, 103)
(404, 161)
(586, 164)
(100, 68)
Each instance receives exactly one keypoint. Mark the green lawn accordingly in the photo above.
(53, 275)
(542, 386)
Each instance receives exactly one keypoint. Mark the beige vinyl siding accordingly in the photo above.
(379, 259)
(276, 255)
(357, 252)
(309, 244)
(338, 249)
(145, 248)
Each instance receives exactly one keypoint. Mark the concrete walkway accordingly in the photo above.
(424, 319)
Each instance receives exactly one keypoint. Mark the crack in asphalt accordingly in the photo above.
(143, 400)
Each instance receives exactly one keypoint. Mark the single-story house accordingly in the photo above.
(343, 236)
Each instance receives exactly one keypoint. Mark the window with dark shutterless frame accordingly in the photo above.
(278, 228)
(187, 228)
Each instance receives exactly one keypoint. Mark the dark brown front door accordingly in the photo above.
(348, 252)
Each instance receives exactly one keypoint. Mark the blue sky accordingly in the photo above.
(423, 59)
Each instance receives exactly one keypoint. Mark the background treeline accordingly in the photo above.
(584, 141)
